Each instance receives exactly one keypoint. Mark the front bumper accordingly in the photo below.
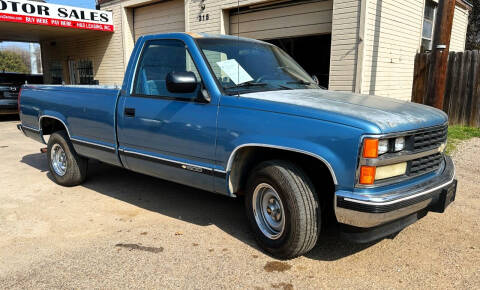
(369, 211)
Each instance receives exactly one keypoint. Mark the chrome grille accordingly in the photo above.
(425, 164)
(429, 139)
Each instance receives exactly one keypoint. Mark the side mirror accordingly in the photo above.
(181, 82)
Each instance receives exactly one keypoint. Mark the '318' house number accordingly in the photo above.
(203, 17)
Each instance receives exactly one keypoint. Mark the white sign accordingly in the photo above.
(38, 13)
(234, 71)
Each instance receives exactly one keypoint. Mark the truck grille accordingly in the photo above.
(429, 139)
(425, 164)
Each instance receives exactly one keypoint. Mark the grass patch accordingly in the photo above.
(456, 134)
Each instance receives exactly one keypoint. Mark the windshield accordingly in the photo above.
(246, 66)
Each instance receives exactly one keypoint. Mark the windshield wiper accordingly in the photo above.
(246, 85)
(285, 87)
(301, 82)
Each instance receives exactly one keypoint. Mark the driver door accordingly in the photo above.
(164, 134)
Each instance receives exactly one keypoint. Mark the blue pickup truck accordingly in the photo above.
(239, 117)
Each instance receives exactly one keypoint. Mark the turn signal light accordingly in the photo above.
(367, 175)
(370, 148)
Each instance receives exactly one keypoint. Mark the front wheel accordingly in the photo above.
(66, 166)
(282, 209)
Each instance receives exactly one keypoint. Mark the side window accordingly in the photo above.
(158, 59)
(428, 25)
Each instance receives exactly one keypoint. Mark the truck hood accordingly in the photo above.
(372, 113)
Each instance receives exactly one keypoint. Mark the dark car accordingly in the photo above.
(10, 84)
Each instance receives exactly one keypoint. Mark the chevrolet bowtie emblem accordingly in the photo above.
(441, 148)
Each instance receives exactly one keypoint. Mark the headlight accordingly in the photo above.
(372, 148)
(382, 146)
(399, 144)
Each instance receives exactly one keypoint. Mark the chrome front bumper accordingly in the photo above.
(367, 211)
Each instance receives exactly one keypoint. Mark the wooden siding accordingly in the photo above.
(345, 25)
(392, 39)
(459, 30)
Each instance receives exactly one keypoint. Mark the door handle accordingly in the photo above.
(130, 112)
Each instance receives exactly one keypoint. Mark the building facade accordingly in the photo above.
(363, 46)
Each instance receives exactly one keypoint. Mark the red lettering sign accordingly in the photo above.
(53, 22)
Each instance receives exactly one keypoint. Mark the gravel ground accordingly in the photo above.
(126, 230)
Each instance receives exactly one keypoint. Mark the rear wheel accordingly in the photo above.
(66, 166)
(282, 209)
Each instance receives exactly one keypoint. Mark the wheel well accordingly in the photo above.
(51, 125)
(247, 158)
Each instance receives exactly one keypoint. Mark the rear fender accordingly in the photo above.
(56, 116)
(37, 133)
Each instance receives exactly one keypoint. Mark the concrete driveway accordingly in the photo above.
(124, 230)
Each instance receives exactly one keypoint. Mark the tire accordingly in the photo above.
(74, 171)
(297, 202)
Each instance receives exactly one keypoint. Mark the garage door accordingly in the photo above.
(285, 19)
(163, 17)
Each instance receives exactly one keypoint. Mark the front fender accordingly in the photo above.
(322, 153)
(336, 145)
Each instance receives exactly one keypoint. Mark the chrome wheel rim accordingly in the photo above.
(268, 211)
(59, 160)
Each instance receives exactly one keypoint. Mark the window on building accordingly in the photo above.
(81, 72)
(85, 72)
(56, 73)
(20, 57)
(160, 58)
(428, 25)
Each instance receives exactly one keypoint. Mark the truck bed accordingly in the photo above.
(87, 111)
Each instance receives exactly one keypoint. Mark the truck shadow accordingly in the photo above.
(189, 204)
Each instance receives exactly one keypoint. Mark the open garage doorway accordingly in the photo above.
(302, 28)
(311, 52)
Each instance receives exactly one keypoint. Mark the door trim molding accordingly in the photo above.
(173, 163)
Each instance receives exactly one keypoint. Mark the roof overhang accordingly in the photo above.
(23, 20)
(35, 33)
(464, 4)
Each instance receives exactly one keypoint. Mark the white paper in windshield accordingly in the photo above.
(234, 71)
